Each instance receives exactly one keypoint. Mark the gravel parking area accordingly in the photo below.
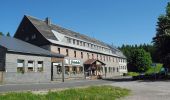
(142, 90)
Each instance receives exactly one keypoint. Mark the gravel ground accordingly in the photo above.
(159, 90)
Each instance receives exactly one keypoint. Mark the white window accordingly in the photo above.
(30, 66)
(33, 36)
(40, 66)
(20, 66)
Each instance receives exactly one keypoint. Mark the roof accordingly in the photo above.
(45, 30)
(19, 46)
(91, 61)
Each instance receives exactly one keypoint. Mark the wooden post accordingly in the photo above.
(63, 71)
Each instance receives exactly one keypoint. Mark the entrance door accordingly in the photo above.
(56, 72)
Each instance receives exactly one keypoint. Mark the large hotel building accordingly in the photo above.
(85, 57)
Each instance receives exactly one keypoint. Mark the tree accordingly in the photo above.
(1, 34)
(166, 61)
(162, 39)
(8, 34)
(140, 60)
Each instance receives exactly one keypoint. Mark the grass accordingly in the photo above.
(90, 93)
(155, 69)
(151, 70)
(133, 74)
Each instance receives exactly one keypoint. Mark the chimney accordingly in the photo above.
(48, 21)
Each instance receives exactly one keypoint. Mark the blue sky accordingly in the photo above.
(112, 21)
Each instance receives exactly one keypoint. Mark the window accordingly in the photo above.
(30, 66)
(88, 44)
(91, 45)
(80, 69)
(84, 44)
(33, 36)
(77, 42)
(81, 54)
(113, 59)
(20, 66)
(67, 70)
(67, 52)
(92, 56)
(59, 50)
(109, 69)
(58, 69)
(104, 58)
(97, 56)
(105, 69)
(75, 54)
(74, 69)
(88, 55)
(81, 43)
(100, 57)
(74, 41)
(69, 40)
(40, 66)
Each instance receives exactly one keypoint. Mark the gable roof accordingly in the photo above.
(19, 46)
(91, 61)
(46, 31)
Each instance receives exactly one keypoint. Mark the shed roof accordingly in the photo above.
(19, 46)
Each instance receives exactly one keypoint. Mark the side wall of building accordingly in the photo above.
(2, 58)
(12, 76)
(114, 65)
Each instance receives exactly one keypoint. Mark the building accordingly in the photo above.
(84, 55)
(21, 62)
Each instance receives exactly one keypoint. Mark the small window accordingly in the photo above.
(88, 55)
(81, 43)
(74, 41)
(40, 66)
(80, 69)
(82, 55)
(92, 56)
(67, 53)
(84, 44)
(74, 70)
(77, 42)
(30, 66)
(69, 40)
(75, 54)
(33, 36)
(97, 56)
(20, 66)
(59, 50)
(67, 70)
(58, 69)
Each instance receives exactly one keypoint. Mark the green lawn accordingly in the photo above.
(156, 69)
(151, 70)
(89, 93)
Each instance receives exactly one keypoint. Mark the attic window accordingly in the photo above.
(33, 36)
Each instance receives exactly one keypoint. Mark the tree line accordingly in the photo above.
(7, 34)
